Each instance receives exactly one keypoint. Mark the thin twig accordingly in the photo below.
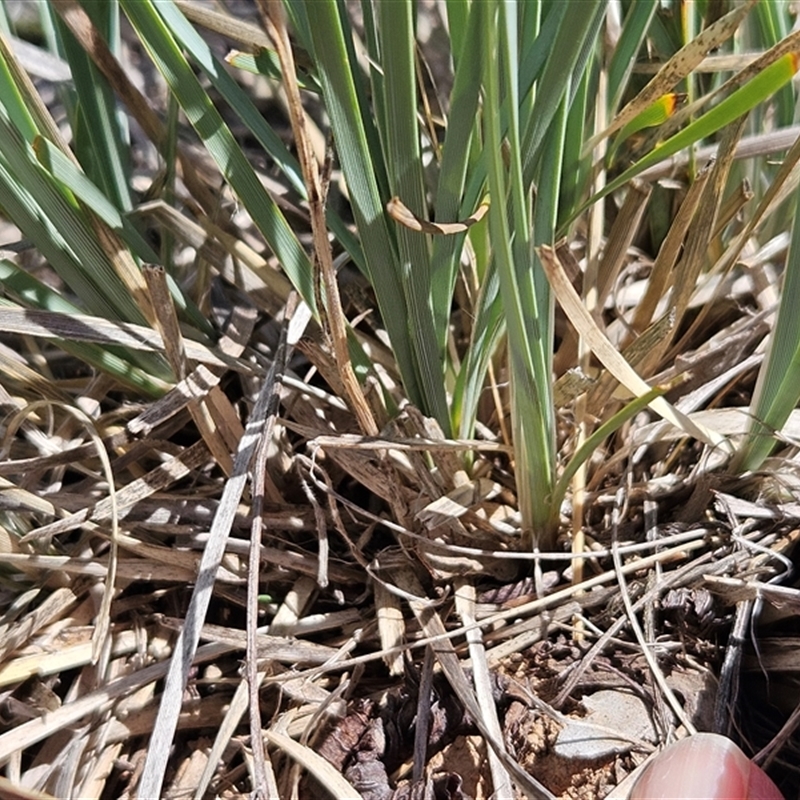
(424, 699)
(728, 691)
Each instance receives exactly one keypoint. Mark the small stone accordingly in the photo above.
(614, 720)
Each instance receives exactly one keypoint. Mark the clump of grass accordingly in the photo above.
(419, 350)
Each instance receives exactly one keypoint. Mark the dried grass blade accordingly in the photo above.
(267, 286)
(219, 425)
(275, 23)
(525, 634)
(763, 144)
(391, 626)
(133, 569)
(660, 276)
(156, 480)
(642, 354)
(676, 69)
(261, 776)
(8, 791)
(284, 620)
(38, 62)
(227, 25)
(775, 72)
(620, 238)
(260, 425)
(786, 49)
(465, 607)
(14, 371)
(324, 772)
(693, 542)
(35, 106)
(679, 552)
(225, 732)
(646, 650)
(23, 736)
(26, 666)
(695, 256)
(166, 320)
(52, 607)
(202, 382)
(432, 626)
(101, 640)
(81, 26)
(293, 607)
(195, 386)
(403, 215)
(356, 442)
(610, 356)
(781, 186)
(84, 328)
(734, 590)
(123, 263)
(732, 207)
(164, 730)
(424, 703)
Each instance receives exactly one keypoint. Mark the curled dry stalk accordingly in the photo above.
(275, 22)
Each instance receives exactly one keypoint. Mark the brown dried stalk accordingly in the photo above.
(275, 24)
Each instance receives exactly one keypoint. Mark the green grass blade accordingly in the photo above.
(456, 159)
(360, 171)
(575, 167)
(457, 21)
(99, 141)
(11, 97)
(114, 362)
(634, 30)
(70, 176)
(536, 55)
(778, 385)
(594, 441)
(199, 52)
(652, 116)
(265, 62)
(404, 161)
(48, 217)
(146, 17)
(514, 261)
(544, 23)
(755, 91)
(80, 185)
(488, 327)
(773, 23)
(567, 56)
